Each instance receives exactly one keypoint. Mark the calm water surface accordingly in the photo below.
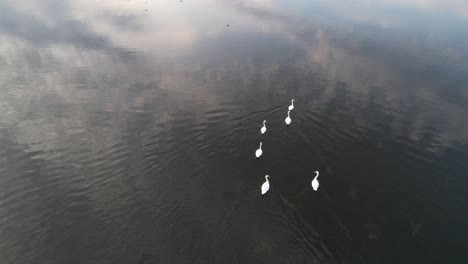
(128, 129)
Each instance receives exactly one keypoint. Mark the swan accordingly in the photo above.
(259, 151)
(291, 107)
(288, 119)
(265, 185)
(315, 182)
(263, 129)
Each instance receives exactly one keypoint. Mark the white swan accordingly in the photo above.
(265, 185)
(263, 129)
(288, 119)
(259, 151)
(315, 182)
(291, 107)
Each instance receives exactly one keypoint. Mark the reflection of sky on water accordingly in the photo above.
(92, 77)
(412, 54)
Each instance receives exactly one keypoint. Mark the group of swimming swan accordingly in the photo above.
(259, 152)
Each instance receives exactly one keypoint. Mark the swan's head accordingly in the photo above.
(292, 100)
(289, 112)
(267, 176)
(316, 172)
(264, 121)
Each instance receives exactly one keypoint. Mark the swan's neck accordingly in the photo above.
(260, 145)
(292, 102)
(266, 177)
(288, 113)
(316, 175)
(263, 123)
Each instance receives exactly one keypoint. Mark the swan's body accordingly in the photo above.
(265, 185)
(291, 107)
(315, 182)
(263, 129)
(259, 151)
(288, 119)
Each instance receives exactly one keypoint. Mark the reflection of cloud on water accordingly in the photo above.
(97, 25)
(88, 80)
(163, 28)
(451, 7)
(91, 45)
(399, 69)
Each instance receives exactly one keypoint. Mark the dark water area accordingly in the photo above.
(128, 131)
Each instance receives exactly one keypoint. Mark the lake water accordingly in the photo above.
(128, 131)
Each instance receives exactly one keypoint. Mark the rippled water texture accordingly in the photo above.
(128, 131)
